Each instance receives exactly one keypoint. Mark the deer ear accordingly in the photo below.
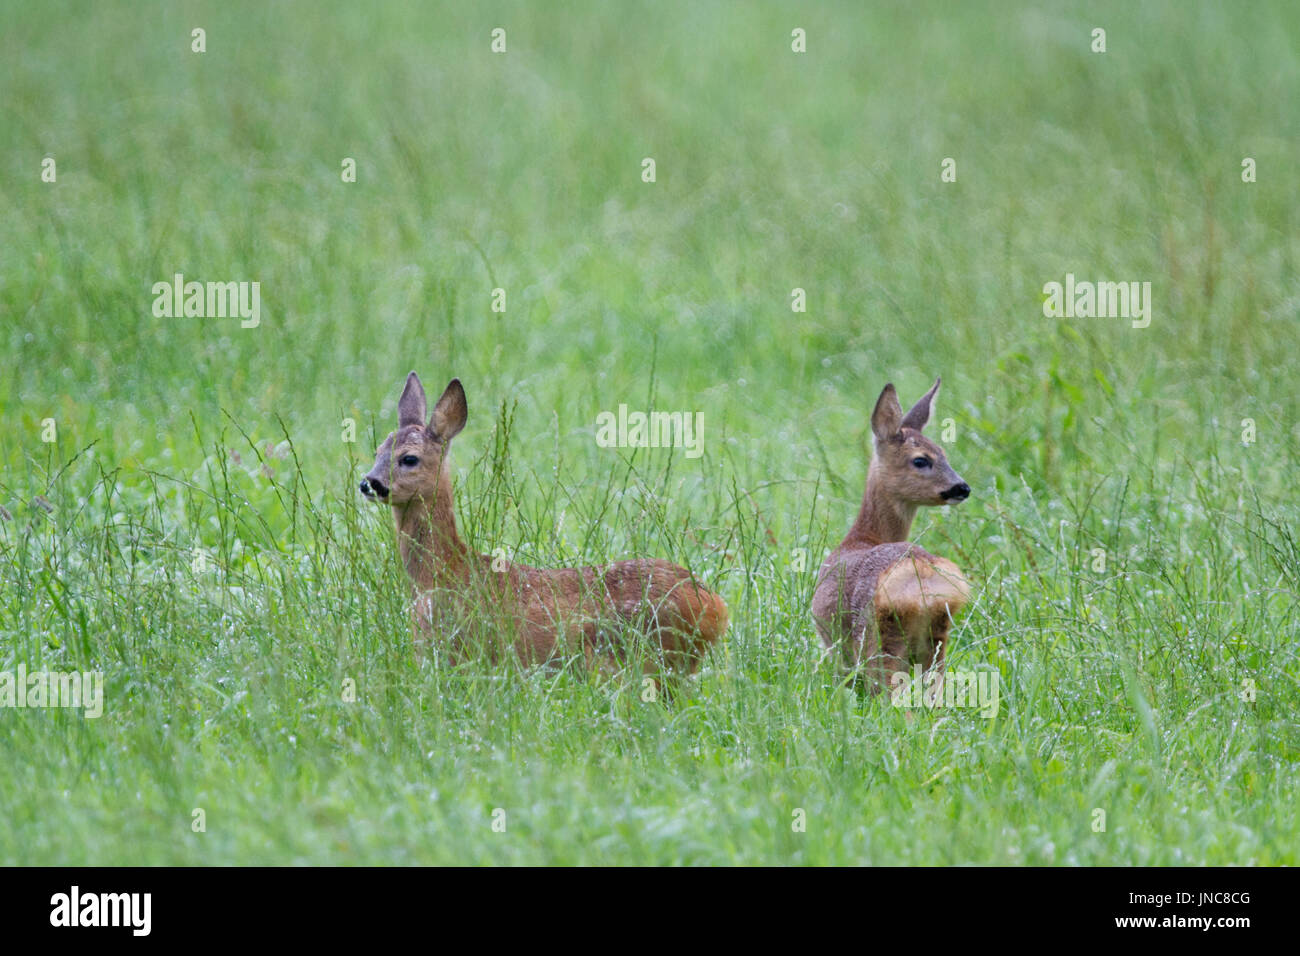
(450, 413)
(411, 406)
(920, 412)
(888, 416)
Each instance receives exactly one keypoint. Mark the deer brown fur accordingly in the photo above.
(470, 602)
(882, 604)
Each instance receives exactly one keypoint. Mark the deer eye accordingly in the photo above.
(410, 461)
(921, 462)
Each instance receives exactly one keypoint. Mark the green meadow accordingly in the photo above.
(181, 512)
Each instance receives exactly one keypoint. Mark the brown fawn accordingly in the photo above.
(472, 602)
(881, 603)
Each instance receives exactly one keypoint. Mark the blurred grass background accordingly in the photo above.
(775, 170)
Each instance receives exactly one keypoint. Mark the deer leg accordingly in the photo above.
(421, 626)
(884, 655)
(855, 649)
(937, 662)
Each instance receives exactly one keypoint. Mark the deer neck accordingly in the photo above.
(431, 550)
(882, 518)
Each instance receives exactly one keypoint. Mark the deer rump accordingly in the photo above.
(892, 604)
(547, 613)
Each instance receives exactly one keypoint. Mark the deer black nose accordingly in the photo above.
(373, 487)
(958, 492)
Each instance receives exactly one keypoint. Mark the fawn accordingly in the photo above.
(882, 603)
(457, 592)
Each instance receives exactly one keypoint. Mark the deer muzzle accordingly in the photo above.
(373, 488)
(957, 493)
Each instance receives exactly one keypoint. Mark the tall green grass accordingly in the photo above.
(204, 545)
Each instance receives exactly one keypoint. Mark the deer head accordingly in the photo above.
(906, 465)
(412, 462)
